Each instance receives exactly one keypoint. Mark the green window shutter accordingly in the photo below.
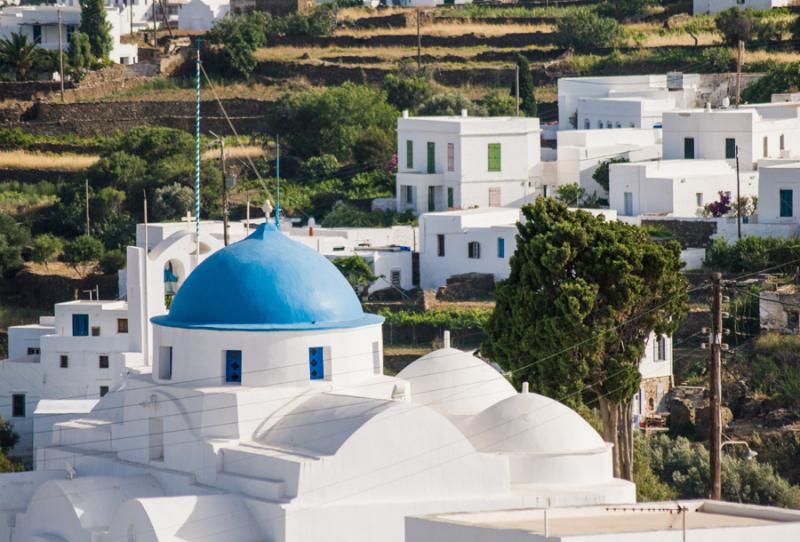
(688, 148)
(786, 203)
(450, 198)
(494, 157)
(730, 148)
(431, 157)
(409, 154)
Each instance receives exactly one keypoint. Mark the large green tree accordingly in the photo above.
(527, 96)
(582, 298)
(95, 25)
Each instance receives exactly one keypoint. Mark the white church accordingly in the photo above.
(264, 414)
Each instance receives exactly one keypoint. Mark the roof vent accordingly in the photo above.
(464, 113)
(446, 339)
(526, 387)
(405, 113)
(708, 107)
(726, 102)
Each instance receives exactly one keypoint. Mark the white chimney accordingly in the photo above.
(708, 107)
(405, 113)
(464, 113)
(526, 387)
(446, 339)
(726, 102)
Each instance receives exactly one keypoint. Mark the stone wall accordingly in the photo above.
(37, 175)
(93, 119)
(689, 233)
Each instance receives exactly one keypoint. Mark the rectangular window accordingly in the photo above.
(395, 278)
(80, 325)
(699, 199)
(494, 157)
(628, 203)
(37, 34)
(233, 366)
(64, 361)
(409, 154)
(688, 148)
(440, 244)
(156, 448)
(782, 143)
(431, 157)
(316, 363)
(95, 331)
(661, 348)
(451, 157)
(103, 391)
(18, 405)
(165, 362)
(494, 197)
(431, 199)
(409, 194)
(122, 325)
(33, 351)
(786, 203)
(103, 361)
(730, 148)
(474, 250)
(501, 247)
(450, 198)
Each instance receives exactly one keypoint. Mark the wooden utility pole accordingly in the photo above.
(738, 198)
(60, 56)
(224, 192)
(86, 193)
(419, 42)
(739, 60)
(155, 32)
(516, 88)
(715, 384)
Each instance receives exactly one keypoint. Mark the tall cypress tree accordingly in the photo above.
(95, 25)
(527, 96)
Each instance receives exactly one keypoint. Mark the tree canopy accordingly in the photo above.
(94, 24)
(581, 299)
(527, 97)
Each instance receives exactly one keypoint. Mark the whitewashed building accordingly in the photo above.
(679, 188)
(700, 7)
(202, 14)
(40, 24)
(760, 131)
(623, 101)
(779, 193)
(656, 368)
(267, 416)
(464, 162)
(579, 152)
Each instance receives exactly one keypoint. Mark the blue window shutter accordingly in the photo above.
(233, 366)
(316, 365)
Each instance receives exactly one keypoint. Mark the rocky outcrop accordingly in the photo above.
(466, 287)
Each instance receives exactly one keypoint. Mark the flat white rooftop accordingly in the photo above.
(623, 522)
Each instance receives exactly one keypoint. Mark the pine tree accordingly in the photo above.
(527, 91)
(95, 25)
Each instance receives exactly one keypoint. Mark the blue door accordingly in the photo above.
(233, 366)
(80, 325)
(316, 367)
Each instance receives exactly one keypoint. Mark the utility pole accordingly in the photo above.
(224, 192)
(86, 192)
(419, 43)
(738, 198)
(715, 384)
(60, 57)
(277, 183)
(516, 88)
(155, 33)
(739, 59)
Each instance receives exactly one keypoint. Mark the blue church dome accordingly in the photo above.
(266, 282)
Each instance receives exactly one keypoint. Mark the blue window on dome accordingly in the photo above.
(80, 325)
(233, 366)
(316, 365)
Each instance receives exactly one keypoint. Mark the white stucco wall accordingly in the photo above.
(773, 179)
(715, 6)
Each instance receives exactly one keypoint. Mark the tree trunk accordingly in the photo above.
(609, 416)
(626, 441)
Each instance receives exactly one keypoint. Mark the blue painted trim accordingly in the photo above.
(366, 320)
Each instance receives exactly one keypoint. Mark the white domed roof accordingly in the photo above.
(532, 423)
(454, 382)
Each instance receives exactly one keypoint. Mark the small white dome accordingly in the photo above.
(455, 383)
(532, 423)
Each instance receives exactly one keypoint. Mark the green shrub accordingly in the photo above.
(778, 78)
(621, 9)
(407, 91)
(345, 215)
(45, 248)
(449, 319)
(735, 24)
(717, 59)
(318, 168)
(112, 261)
(13, 237)
(585, 30)
(752, 254)
(600, 174)
(451, 103)
(82, 253)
